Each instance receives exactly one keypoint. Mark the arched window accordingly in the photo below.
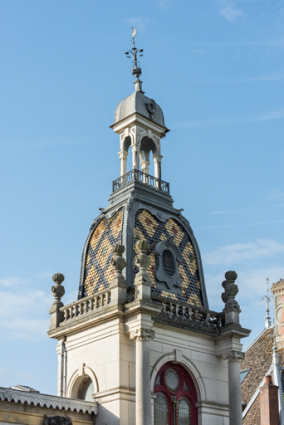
(176, 397)
(161, 410)
(86, 390)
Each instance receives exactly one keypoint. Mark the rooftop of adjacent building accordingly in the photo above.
(258, 363)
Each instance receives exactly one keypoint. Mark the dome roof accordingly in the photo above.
(143, 105)
(97, 270)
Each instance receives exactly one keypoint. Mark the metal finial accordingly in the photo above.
(267, 319)
(136, 70)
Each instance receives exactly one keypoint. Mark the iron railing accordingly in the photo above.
(139, 176)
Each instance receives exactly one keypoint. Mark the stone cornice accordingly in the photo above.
(234, 330)
(87, 321)
(136, 118)
(42, 400)
(142, 307)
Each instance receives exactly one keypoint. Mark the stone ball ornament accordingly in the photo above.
(58, 278)
(142, 246)
(231, 290)
(231, 276)
(57, 290)
(142, 260)
(117, 261)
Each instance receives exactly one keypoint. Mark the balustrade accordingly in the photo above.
(85, 306)
(190, 313)
(139, 176)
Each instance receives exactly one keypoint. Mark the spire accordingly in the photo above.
(136, 70)
(277, 380)
(267, 319)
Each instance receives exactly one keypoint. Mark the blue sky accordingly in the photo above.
(217, 70)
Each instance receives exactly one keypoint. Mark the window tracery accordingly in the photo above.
(176, 397)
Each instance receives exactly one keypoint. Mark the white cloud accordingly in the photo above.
(212, 122)
(235, 253)
(278, 77)
(252, 287)
(230, 226)
(230, 12)
(229, 212)
(276, 195)
(165, 3)
(12, 281)
(45, 274)
(24, 315)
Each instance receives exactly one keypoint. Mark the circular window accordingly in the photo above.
(169, 262)
(172, 380)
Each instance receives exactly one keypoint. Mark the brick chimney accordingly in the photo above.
(277, 290)
(269, 411)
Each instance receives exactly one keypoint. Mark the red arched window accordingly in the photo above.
(176, 397)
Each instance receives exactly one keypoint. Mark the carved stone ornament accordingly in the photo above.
(167, 253)
(142, 260)
(231, 290)
(57, 420)
(234, 356)
(117, 261)
(57, 290)
(151, 106)
(142, 334)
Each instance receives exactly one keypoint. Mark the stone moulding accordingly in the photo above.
(42, 400)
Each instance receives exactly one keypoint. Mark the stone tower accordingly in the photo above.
(277, 290)
(141, 339)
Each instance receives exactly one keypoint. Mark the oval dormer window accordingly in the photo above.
(169, 262)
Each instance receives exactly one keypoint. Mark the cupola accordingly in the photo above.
(141, 207)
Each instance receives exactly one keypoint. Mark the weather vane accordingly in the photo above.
(134, 52)
(267, 319)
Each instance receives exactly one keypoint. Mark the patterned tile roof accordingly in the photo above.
(150, 228)
(258, 359)
(98, 269)
(136, 102)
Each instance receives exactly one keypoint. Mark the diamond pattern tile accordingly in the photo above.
(98, 269)
(149, 227)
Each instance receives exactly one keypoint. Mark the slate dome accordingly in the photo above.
(137, 102)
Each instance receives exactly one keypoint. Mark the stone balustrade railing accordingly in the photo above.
(84, 307)
(193, 316)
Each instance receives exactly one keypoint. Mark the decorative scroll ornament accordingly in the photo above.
(57, 420)
(231, 290)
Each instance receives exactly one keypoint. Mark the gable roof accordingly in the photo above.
(259, 360)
